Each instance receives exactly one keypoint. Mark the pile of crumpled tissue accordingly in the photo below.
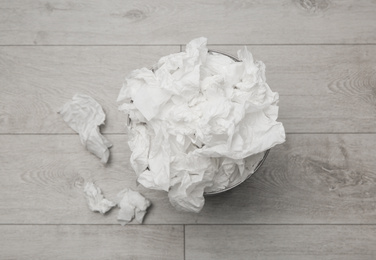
(199, 121)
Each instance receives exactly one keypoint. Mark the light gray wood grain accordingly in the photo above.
(176, 22)
(43, 177)
(322, 88)
(35, 82)
(280, 242)
(91, 242)
(322, 178)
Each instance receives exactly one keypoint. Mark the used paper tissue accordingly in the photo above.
(199, 121)
(132, 205)
(84, 115)
(95, 199)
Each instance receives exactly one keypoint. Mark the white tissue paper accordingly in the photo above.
(95, 199)
(84, 115)
(132, 205)
(199, 122)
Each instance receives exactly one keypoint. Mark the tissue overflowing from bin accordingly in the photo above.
(198, 122)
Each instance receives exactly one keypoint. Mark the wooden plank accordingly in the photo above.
(312, 178)
(91, 242)
(176, 22)
(36, 82)
(322, 88)
(280, 242)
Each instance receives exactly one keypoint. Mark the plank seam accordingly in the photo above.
(181, 44)
(90, 45)
(286, 224)
(288, 133)
(184, 242)
(195, 224)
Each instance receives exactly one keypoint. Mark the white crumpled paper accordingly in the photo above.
(132, 205)
(95, 199)
(84, 115)
(197, 120)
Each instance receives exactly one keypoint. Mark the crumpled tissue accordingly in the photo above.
(95, 199)
(132, 205)
(84, 115)
(199, 122)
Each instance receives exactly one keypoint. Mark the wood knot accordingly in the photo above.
(135, 15)
(49, 7)
(313, 6)
(79, 182)
(59, 6)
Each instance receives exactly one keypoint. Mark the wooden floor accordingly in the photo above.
(314, 197)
